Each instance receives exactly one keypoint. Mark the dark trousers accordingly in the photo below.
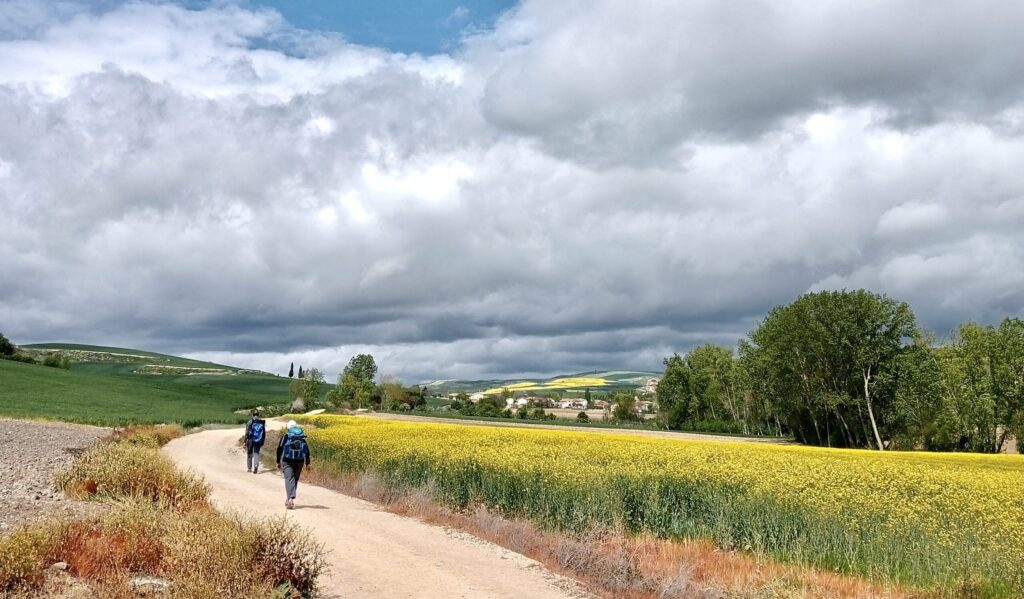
(292, 471)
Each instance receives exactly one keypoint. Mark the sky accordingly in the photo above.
(486, 189)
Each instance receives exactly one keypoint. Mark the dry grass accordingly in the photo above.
(162, 526)
(24, 553)
(130, 469)
(200, 552)
(154, 435)
(615, 564)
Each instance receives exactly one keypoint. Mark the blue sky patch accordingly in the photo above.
(399, 25)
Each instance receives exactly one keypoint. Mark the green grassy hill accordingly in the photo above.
(96, 354)
(117, 386)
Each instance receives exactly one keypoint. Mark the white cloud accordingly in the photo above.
(588, 185)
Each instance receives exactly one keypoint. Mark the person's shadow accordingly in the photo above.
(311, 507)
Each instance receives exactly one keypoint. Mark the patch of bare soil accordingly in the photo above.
(30, 453)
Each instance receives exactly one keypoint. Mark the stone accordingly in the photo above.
(149, 586)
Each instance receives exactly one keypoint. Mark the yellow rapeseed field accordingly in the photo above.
(930, 519)
(554, 385)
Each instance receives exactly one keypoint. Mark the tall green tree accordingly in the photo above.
(983, 385)
(715, 384)
(625, 407)
(919, 408)
(6, 347)
(355, 385)
(673, 393)
(1008, 375)
(393, 394)
(362, 367)
(823, 357)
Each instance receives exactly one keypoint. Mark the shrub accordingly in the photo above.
(56, 360)
(201, 553)
(24, 554)
(582, 417)
(6, 347)
(237, 554)
(149, 435)
(714, 426)
(130, 470)
(20, 357)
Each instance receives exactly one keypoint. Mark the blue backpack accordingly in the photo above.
(256, 432)
(295, 448)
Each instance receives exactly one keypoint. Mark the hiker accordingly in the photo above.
(255, 434)
(292, 456)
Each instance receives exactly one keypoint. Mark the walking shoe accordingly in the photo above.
(290, 504)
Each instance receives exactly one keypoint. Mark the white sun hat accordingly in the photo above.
(292, 424)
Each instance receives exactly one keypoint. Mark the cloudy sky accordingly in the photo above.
(489, 189)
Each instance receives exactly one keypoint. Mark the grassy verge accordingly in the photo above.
(940, 524)
(161, 526)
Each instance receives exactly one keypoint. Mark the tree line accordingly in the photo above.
(854, 369)
(356, 388)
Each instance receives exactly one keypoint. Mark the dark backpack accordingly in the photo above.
(256, 432)
(295, 448)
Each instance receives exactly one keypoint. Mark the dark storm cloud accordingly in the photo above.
(612, 82)
(562, 194)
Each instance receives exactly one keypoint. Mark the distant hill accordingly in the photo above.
(568, 384)
(116, 386)
(119, 355)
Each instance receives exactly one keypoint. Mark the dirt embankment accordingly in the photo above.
(30, 452)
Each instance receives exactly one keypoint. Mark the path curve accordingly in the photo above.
(373, 554)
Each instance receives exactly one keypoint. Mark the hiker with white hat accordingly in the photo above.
(292, 457)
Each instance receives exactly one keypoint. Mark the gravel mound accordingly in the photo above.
(30, 452)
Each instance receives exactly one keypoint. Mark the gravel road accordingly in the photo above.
(30, 452)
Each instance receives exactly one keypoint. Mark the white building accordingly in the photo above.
(650, 386)
(575, 403)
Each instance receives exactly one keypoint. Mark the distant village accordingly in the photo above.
(644, 395)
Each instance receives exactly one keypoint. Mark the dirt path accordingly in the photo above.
(583, 429)
(374, 554)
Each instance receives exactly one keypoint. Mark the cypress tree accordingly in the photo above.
(291, 370)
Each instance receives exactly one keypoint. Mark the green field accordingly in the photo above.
(107, 389)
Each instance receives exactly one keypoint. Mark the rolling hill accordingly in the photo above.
(117, 386)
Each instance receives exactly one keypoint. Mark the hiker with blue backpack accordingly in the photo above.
(292, 457)
(255, 435)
